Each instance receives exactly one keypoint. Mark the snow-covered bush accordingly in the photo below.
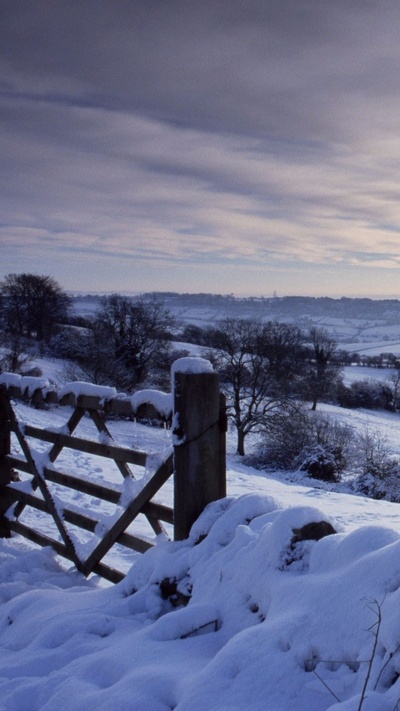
(310, 442)
(281, 446)
(320, 463)
(378, 470)
(376, 488)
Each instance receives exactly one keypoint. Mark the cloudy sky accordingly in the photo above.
(227, 146)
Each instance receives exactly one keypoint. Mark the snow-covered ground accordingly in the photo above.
(352, 373)
(271, 623)
(243, 615)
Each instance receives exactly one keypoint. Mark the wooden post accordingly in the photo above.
(223, 427)
(199, 442)
(5, 470)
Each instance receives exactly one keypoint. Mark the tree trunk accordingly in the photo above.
(240, 442)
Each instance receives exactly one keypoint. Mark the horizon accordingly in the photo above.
(94, 294)
(208, 146)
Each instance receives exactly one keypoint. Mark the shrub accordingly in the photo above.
(370, 394)
(14, 354)
(378, 469)
(282, 445)
(320, 463)
(310, 442)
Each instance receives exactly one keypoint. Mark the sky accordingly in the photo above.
(217, 146)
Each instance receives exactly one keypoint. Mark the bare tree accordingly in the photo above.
(250, 377)
(32, 305)
(134, 336)
(87, 357)
(323, 372)
(283, 346)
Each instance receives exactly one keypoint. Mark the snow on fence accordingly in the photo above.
(196, 410)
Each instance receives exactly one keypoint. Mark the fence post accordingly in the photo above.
(5, 471)
(199, 441)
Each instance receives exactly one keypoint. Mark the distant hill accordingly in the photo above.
(350, 321)
(286, 307)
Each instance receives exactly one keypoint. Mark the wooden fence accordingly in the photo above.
(196, 458)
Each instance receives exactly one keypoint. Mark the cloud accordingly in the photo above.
(268, 67)
(212, 134)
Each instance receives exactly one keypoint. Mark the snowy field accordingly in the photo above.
(245, 614)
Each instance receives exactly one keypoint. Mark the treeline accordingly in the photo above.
(290, 308)
(363, 360)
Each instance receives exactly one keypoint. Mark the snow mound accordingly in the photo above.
(261, 607)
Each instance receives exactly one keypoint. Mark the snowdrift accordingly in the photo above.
(251, 612)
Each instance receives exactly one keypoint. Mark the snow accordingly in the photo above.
(354, 373)
(244, 614)
(30, 384)
(10, 380)
(27, 384)
(192, 364)
(264, 614)
(77, 388)
(162, 402)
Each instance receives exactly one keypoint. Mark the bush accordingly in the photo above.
(320, 463)
(387, 488)
(282, 445)
(323, 448)
(310, 442)
(378, 469)
(14, 354)
(370, 394)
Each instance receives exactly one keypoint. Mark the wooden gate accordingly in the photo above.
(196, 457)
